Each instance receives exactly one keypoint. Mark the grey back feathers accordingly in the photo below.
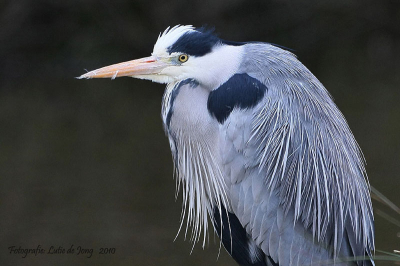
(307, 156)
(278, 155)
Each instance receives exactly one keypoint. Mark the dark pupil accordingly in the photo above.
(183, 57)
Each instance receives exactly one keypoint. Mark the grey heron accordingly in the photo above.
(260, 149)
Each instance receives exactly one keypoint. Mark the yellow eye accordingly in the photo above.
(183, 58)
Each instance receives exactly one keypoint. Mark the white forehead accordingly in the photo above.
(169, 37)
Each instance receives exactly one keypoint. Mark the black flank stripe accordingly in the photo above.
(238, 248)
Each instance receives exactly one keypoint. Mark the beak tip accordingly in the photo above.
(87, 75)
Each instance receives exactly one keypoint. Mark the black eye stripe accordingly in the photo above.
(198, 43)
(194, 43)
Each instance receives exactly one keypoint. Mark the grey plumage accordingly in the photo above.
(293, 171)
(260, 148)
(305, 148)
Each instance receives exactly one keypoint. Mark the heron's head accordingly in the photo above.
(182, 52)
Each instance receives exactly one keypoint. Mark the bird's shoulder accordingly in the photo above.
(295, 147)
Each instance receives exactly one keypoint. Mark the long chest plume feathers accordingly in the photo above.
(193, 145)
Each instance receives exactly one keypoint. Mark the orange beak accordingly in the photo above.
(135, 68)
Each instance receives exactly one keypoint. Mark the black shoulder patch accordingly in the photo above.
(240, 91)
(195, 43)
(236, 240)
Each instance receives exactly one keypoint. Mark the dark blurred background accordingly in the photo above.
(86, 163)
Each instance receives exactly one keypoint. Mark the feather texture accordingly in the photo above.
(197, 167)
(307, 159)
(259, 147)
(286, 166)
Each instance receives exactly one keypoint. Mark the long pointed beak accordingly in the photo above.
(139, 67)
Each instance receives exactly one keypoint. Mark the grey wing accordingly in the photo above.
(296, 177)
(257, 205)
